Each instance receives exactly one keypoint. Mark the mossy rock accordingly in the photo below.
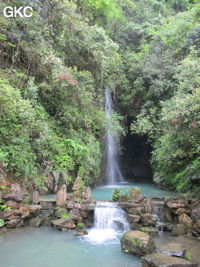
(137, 243)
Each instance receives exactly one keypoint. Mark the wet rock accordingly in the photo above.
(167, 215)
(64, 224)
(16, 193)
(147, 219)
(125, 205)
(34, 209)
(89, 222)
(75, 215)
(195, 213)
(81, 232)
(36, 197)
(172, 249)
(35, 222)
(47, 213)
(137, 243)
(13, 223)
(179, 229)
(163, 260)
(45, 221)
(60, 212)
(133, 218)
(61, 196)
(149, 230)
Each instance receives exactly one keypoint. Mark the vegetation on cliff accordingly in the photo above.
(56, 65)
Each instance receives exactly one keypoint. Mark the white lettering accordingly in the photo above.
(30, 11)
(13, 12)
(17, 11)
(8, 12)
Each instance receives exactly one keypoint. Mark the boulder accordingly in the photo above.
(179, 229)
(64, 224)
(75, 215)
(172, 249)
(47, 213)
(163, 260)
(61, 196)
(15, 193)
(35, 222)
(34, 209)
(137, 243)
(81, 232)
(133, 218)
(181, 211)
(176, 203)
(185, 219)
(36, 197)
(60, 211)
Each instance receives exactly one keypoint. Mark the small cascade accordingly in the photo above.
(113, 172)
(109, 221)
(158, 214)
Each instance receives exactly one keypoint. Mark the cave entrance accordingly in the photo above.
(135, 158)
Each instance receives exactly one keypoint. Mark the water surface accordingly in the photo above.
(46, 247)
(148, 190)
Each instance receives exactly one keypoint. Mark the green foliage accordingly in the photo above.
(3, 207)
(80, 225)
(116, 194)
(2, 223)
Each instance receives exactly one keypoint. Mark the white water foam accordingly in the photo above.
(110, 222)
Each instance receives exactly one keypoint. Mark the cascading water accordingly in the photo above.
(113, 173)
(109, 221)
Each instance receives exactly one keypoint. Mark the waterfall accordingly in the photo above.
(113, 173)
(158, 214)
(109, 221)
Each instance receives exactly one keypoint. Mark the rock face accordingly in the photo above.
(163, 260)
(15, 193)
(61, 196)
(179, 215)
(137, 243)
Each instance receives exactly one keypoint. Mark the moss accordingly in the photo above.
(188, 256)
(80, 225)
(66, 216)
